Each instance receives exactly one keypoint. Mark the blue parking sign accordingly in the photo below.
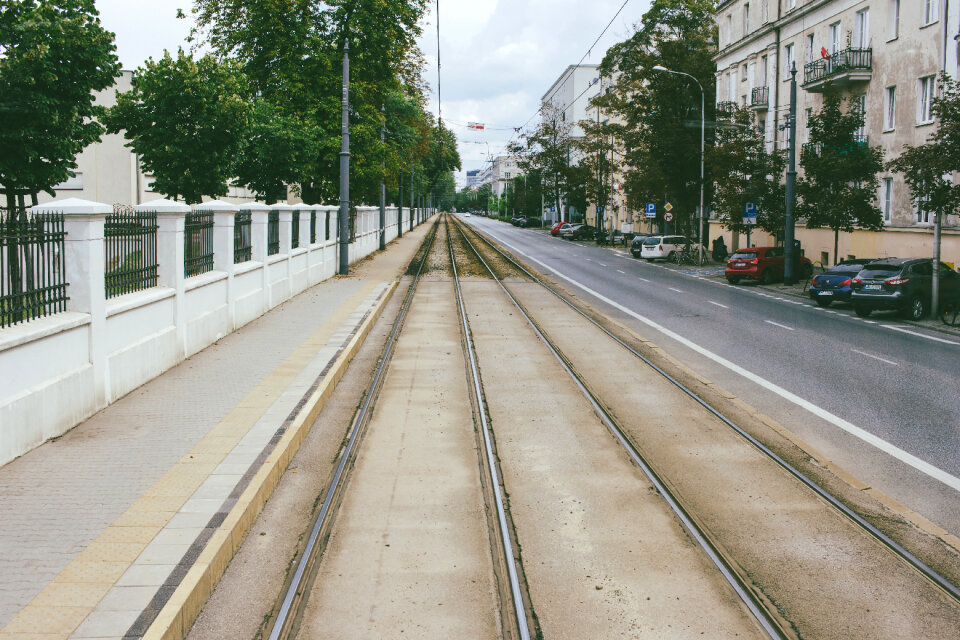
(750, 213)
(651, 209)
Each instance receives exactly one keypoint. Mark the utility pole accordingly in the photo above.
(383, 184)
(400, 207)
(345, 164)
(412, 204)
(789, 261)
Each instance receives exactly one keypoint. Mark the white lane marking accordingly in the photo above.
(870, 321)
(618, 271)
(864, 353)
(588, 259)
(601, 264)
(907, 458)
(644, 279)
(919, 335)
(722, 306)
(776, 324)
(677, 290)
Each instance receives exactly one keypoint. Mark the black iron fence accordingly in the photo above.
(326, 230)
(32, 268)
(130, 251)
(295, 229)
(839, 62)
(242, 245)
(273, 233)
(197, 243)
(313, 227)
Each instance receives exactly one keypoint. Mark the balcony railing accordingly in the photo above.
(726, 109)
(859, 140)
(760, 98)
(851, 64)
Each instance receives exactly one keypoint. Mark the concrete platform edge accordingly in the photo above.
(178, 615)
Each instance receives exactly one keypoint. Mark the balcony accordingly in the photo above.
(838, 70)
(760, 99)
(859, 140)
(726, 109)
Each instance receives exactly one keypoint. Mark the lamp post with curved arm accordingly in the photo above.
(703, 122)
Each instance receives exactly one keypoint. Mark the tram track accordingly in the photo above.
(767, 612)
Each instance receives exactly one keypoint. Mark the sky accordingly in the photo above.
(498, 57)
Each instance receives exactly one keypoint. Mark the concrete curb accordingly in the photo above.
(180, 612)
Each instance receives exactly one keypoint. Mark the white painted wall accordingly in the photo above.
(59, 370)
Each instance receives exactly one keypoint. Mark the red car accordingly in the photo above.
(764, 264)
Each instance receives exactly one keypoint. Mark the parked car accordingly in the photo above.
(567, 233)
(903, 284)
(636, 245)
(764, 264)
(584, 232)
(557, 228)
(518, 221)
(835, 284)
(662, 247)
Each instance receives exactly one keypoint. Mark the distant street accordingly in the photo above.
(879, 397)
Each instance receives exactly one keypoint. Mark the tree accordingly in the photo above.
(185, 118)
(839, 183)
(744, 172)
(660, 112)
(598, 159)
(546, 150)
(929, 168)
(53, 55)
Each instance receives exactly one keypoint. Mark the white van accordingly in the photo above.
(662, 247)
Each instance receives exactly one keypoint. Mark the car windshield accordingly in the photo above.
(652, 241)
(846, 269)
(879, 271)
(744, 255)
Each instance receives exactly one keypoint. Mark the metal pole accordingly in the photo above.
(789, 259)
(383, 184)
(400, 207)
(703, 125)
(412, 203)
(345, 164)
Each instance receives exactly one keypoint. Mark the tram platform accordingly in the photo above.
(122, 527)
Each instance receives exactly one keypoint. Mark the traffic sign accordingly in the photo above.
(668, 207)
(651, 209)
(553, 209)
(668, 216)
(599, 209)
(750, 213)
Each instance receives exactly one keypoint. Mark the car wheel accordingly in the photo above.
(733, 279)
(824, 302)
(916, 309)
(649, 259)
(862, 311)
(670, 256)
(766, 277)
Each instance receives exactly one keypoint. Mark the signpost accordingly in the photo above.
(750, 213)
(668, 216)
(651, 210)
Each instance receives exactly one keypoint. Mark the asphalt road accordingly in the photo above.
(879, 397)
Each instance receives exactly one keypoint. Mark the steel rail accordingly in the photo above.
(294, 597)
(515, 588)
(915, 562)
(766, 621)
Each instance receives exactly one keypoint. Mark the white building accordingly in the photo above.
(474, 178)
(570, 94)
(502, 171)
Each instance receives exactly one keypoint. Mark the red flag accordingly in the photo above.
(823, 52)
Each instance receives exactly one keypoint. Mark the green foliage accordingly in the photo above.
(928, 169)
(744, 172)
(546, 152)
(186, 119)
(599, 161)
(839, 183)
(659, 113)
(53, 55)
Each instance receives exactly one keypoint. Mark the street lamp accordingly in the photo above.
(703, 123)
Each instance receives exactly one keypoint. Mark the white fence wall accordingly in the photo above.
(59, 370)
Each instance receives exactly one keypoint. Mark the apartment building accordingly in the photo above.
(885, 54)
(502, 170)
(570, 94)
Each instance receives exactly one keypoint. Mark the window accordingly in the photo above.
(788, 61)
(925, 100)
(763, 71)
(746, 19)
(806, 129)
(834, 38)
(729, 28)
(887, 199)
(791, 4)
(930, 10)
(894, 19)
(861, 29)
(764, 10)
(752, 75)
(743, 73)
(506, 175)
(732, 86)
(923, 214)
(860, 106)
(890, 109)
(810, 50)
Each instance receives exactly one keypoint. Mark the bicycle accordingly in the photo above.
(685, 256)
(950, 313)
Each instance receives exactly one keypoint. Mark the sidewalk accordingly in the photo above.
(120, 528)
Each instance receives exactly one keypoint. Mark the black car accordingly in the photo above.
(903, 284)
(584, 232)
(637, 243)
(835, 284)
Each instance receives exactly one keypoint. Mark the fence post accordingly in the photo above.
(170, 220)
(84, 265)
(224, 219)
(286, 248)
(259, 214)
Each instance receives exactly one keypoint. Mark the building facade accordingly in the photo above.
(503, 169)
(570, 95)
(884, 54)
(474, 178)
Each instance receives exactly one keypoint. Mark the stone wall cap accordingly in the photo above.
(282, 206)
(254, 206)
(216, 205)
(163, 206)
(73, 206)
